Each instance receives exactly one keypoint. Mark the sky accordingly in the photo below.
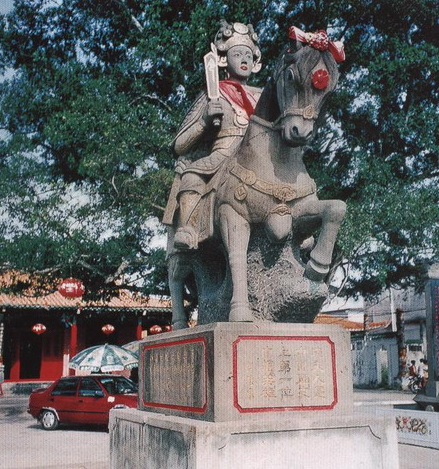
(5, 6)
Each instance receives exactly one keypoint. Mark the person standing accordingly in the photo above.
(412, 369)
(424, 372)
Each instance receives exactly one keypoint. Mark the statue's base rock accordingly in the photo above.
(278, 289)
(248, 395)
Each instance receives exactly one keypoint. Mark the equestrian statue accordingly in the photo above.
(243, 209)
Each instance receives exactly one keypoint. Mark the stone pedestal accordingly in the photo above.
(248, 395)
(147, 440)
(238, 371)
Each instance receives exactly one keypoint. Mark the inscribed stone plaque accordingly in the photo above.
(163, 363)
(279, 373)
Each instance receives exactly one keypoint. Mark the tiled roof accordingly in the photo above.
(352, 326)
(54, 300)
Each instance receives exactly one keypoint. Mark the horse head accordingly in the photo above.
(304, 78)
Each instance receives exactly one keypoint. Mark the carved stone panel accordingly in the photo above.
(181, 359)
(293, 373)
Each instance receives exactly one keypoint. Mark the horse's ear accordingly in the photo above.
(290, 54)
(295, 45)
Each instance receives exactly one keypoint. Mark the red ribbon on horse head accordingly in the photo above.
(319, 40)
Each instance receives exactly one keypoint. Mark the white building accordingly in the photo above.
(385, 335)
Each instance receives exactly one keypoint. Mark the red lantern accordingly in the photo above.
(38, 328)
(108, 329)
(155, 329)
(71, 288)
(167, 328)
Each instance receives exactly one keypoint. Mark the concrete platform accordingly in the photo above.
(144, 439)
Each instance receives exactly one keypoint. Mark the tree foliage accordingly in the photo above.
(93, 93)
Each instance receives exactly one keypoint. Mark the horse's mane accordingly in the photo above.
(267, 107)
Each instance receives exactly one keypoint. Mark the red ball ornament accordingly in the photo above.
(167, 328)
(319, 40)
(155, 329)
(320, 79)
(71, 288)
(108, 329)
(38, 328)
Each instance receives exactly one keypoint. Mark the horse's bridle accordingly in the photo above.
(308, 112)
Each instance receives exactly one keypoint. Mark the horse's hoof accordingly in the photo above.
(316, 272)
(177, 325)
(240, 314)
(186, 238)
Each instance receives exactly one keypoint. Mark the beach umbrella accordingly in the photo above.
(104, 358)
(133, 347)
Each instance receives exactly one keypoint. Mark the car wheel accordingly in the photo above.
(49, 420)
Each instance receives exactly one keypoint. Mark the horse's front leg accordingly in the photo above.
(235, 233)
(331, 214)
(177, 273)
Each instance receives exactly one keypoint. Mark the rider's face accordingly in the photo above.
(240, 62)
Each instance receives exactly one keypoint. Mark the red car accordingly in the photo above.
(81, 399)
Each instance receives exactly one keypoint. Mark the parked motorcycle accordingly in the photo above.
(415, 384)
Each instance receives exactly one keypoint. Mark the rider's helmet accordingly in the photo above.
(237, 34)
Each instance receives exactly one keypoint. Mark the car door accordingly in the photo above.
(92, 402)
(64, 400)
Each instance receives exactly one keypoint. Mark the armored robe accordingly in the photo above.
(201, 150)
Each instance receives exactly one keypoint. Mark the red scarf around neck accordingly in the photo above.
(236, 92)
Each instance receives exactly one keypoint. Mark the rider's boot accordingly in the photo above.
(186, 237)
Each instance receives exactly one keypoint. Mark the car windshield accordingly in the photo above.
(118, 385)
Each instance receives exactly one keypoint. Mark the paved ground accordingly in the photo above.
(410, 456)
(25, 445)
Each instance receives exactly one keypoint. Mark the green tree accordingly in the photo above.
(93, 93)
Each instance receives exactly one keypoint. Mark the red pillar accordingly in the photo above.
(14, 374)
(73, 342)
(139, 328)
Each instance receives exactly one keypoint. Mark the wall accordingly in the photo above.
(372, 356)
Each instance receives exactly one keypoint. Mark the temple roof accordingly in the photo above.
(123, 300)
(348, 324)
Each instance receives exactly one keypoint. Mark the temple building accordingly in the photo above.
(39, 334)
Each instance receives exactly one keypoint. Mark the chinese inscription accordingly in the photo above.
(163, 363)
(284, 373)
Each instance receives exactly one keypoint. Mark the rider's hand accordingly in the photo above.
(214, 113)
(181, 165)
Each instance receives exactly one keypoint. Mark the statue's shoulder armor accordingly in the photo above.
(194, 114)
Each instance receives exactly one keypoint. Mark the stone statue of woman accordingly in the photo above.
(213, 129)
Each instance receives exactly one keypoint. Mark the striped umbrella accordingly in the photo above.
(104, 358)
(133, 347)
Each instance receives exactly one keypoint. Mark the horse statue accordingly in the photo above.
(262, 205)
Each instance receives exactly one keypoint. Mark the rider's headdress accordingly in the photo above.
(237, 34)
